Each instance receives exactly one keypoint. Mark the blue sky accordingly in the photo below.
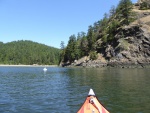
(49, 21)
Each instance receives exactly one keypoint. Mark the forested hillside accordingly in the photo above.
(105, 29)
(114, 39)
(28, 53)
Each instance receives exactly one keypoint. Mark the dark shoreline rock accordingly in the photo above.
(111, 64)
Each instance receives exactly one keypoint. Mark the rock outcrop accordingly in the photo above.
(87, 62)
(132, 48)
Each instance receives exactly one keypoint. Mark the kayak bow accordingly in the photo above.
(92, 105)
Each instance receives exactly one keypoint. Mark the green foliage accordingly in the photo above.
(28, 52)
(123, 45)
(144, 6)
(62, 45)
(105, 37)
(93, 55)
(104, 30)
(120, 16)
(124, 11)
(91, 38)
(71, 49)
(84, 46)
(62, 52)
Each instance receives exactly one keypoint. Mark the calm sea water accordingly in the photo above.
(63, 90)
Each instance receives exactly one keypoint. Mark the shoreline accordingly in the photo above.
(7, 65)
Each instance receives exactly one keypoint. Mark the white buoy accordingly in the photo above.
(44, 69)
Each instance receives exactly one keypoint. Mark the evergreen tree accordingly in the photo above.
(62, 53)
(62, 45)
(84, 46)
(104, 31)
(28, 52)
(103, 27)
(91, 38)
(70, 52)
(112, 11)
(124, 12)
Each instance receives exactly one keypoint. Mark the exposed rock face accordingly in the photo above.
(132, 48)
(86, 62)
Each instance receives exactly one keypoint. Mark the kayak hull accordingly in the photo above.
(92, 105)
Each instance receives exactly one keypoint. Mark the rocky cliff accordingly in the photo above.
(132, 49)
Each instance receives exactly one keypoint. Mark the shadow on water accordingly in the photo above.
(63, 90)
